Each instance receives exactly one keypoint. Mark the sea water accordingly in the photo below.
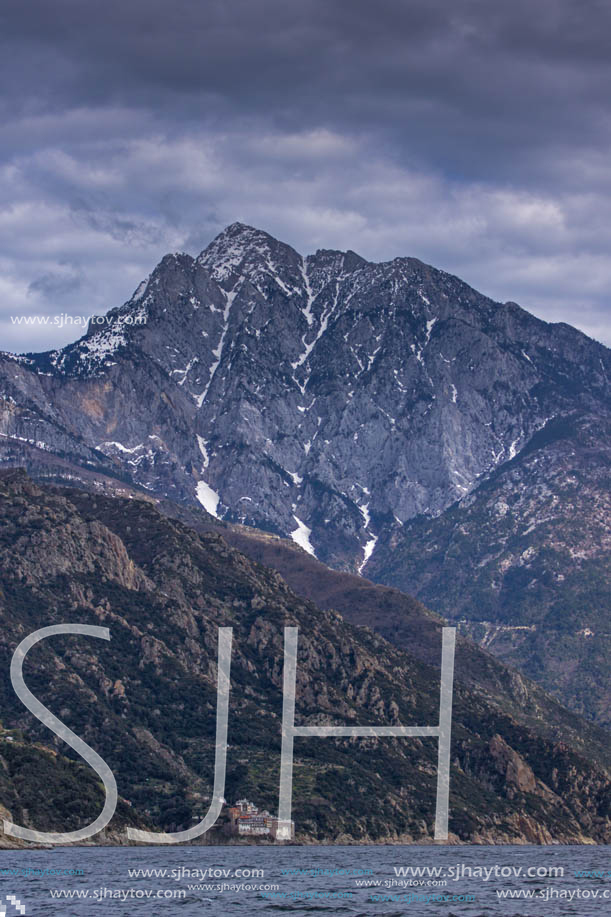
(355, 881)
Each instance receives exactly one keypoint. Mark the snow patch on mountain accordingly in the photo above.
(203, 448)
(208, 498)
(301, 536)
(373, 539)
(368, 551)
(217, 353)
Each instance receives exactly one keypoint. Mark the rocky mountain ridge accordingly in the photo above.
(349, 406)
(324, 393)
(522, 564)
(146, 701)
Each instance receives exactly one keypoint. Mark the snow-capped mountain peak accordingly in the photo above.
(349, 395)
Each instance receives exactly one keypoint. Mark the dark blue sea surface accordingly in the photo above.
(307, 881)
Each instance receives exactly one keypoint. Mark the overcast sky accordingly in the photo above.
(473, 134)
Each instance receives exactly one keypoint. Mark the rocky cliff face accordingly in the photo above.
(324, 398)
(523, 562)
(322, 393)
(408, 625)
(146, 701)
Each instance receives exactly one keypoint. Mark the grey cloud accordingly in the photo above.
(62, 281)
(454, 83)
(472, 134)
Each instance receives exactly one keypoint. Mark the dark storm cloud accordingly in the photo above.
(66, 279)
(472, 134)
(456, 81)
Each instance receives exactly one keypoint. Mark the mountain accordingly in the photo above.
(41, 788)
(146, 701)
(364, 410)
(523, 562)
(410, 626)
